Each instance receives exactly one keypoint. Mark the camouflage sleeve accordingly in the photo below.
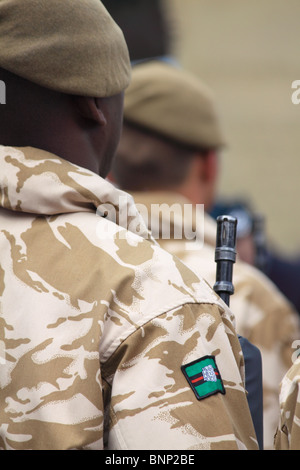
(149, 392)
(287, 436)
(104, 337)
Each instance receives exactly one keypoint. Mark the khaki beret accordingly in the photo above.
(70, 46)
(171, 102)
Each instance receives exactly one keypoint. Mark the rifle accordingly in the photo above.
(225, 256)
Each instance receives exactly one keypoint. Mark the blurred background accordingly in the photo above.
(248, 53)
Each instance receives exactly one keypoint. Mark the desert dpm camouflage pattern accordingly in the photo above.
(97, 321)
(288, 433)
(262, 313)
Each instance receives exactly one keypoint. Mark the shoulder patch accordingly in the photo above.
(204, 377)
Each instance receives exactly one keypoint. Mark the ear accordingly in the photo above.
(89, 108)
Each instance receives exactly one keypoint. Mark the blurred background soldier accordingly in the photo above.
(151, 30)
(169, 156)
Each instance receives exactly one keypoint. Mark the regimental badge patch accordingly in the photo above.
(204, 377)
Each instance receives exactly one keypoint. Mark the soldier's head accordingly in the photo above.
(65, 65)
(171, 135)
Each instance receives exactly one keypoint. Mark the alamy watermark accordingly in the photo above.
(163, 221)
(2, 92)
(296, 94)
(296, 346)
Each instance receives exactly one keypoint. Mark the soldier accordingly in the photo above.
(107, 341)
(168, 157)
(288, 433)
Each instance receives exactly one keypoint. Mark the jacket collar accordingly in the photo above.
(41, 183)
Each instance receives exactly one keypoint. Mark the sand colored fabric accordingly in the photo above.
(287, 436)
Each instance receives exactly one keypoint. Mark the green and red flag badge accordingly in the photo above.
(204, 377)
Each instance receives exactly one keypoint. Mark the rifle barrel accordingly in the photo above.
(225, 256)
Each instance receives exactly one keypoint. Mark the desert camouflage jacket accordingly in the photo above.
(288, 433)
(262, 313)
(106, 340)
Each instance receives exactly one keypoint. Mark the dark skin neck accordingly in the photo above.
(82, 130)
